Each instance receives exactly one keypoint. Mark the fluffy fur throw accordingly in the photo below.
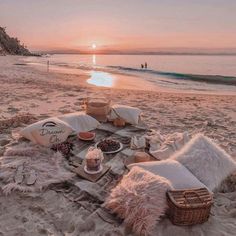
(139, 199)
(206, 160)
(47, 165)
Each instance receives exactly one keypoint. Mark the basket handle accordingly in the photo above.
(185, 193)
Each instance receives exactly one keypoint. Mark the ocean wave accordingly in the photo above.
(216, 79)
(177, 77)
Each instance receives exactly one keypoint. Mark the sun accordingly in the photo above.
(94, 46)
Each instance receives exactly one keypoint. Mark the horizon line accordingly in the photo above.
(137, 53)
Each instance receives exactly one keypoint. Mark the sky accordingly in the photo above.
(126, 25)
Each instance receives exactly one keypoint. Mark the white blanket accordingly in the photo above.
(163, 147)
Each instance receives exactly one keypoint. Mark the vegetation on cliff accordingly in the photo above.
(11, 46)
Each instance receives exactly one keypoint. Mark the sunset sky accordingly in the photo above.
(121, 25)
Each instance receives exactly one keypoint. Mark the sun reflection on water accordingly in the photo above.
(94, 60)
(101, 79)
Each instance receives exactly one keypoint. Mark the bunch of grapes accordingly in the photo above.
(109, 145)
(65, 148)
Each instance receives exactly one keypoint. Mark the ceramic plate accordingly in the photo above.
(111, 152)
(93, 172)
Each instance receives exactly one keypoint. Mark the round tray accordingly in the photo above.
(93, 172)
(111, 152)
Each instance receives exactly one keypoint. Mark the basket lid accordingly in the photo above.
(192, 198)
(98, 102)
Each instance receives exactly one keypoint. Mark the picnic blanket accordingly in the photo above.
(74, 207)
(30, 167)
(74, 197)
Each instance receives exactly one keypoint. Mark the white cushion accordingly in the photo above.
(179, 176)
(130, 114)
(80, 122)
(47, 132)
(206, 160)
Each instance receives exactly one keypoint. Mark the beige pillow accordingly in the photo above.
(80, 122)
(139, 199)
(131, 115)
(47, 132)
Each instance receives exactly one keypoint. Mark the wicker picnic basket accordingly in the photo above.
(189, 207)
(98, 108)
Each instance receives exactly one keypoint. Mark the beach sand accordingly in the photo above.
(25, 89)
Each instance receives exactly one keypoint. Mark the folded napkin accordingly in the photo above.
(138, 142)
(163, 147)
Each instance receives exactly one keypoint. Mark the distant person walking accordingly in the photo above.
(48, 66)
(145, 65)
(142, 66)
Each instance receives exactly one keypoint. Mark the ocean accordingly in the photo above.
(186, 72)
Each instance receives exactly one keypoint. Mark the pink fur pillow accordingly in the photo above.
(139, 199)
